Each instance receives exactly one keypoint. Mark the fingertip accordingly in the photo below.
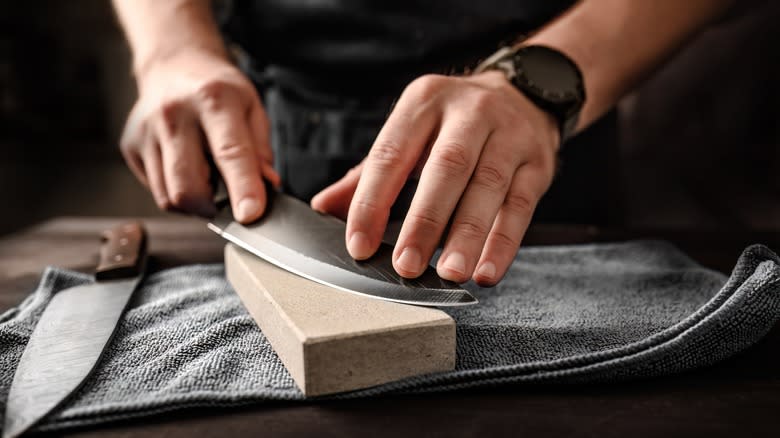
(485, 274)
(359, 246)
(317, 202)
(409, 263)
(453, 268)
(448, 275)
(248, 210)
(332, 200)
(324, 200)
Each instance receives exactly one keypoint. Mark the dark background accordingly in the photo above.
(699, 142)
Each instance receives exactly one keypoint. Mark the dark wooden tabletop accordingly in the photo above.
(737, 397)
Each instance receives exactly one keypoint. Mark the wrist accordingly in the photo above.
(158, 31)
(144, 64)
(547, 77)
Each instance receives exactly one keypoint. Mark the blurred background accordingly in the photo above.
(65, 88)
(699, 142)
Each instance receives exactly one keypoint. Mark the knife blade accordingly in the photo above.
(311, 244)
(73, 331)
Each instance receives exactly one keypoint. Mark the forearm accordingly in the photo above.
(160, 29)
(618, 42)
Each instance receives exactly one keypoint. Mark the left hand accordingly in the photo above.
(487, 156)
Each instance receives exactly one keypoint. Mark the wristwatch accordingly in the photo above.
(550, 79)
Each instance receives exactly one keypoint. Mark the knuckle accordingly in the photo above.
(548, 162)
(212, 94)
(130, 141)
(471, 227)
(520, 203)
(167, 116)
(543, 161)
(453, 158)
(506, 240)
(490, 176)
(127, 146)
(170, 109)
(424, 218)
(425, 87)
(483, 102)
(231, 151)
(365, 206)
(385, 154)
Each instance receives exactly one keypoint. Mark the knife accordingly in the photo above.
(311, 244)
(73, 331)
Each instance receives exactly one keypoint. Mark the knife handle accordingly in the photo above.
(123, 252)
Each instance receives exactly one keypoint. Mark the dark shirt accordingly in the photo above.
(392, 40)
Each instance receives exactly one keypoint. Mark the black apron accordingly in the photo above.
(329, 76)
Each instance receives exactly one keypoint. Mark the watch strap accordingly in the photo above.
(565, 112)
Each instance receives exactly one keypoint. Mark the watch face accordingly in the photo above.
(549, 73)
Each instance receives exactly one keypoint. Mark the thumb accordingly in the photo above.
(335, 199)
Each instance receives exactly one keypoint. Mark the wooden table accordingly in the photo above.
(738, 397)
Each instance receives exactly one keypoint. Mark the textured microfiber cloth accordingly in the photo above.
(592, 313)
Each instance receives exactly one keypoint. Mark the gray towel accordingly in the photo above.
(592, 313)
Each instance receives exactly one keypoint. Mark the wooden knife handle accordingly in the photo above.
(123, 252)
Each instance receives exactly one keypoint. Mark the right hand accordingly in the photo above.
(193, 105)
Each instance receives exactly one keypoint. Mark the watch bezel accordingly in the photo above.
(564, 105)
(575, 95)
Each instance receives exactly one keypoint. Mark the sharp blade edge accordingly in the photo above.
(337, 277)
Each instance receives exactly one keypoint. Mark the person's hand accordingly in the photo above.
(487, 156)
(194, 106)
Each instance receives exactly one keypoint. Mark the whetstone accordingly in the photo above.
(333, 341)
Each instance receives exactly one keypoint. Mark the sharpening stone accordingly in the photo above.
(333, 341)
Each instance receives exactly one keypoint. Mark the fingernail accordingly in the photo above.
(455, 262)
(409, 260)
(359, 246)
(248, 209)
(487, 270)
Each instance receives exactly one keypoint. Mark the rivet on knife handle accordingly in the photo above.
(123, 251)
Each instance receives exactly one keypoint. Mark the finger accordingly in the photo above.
(224, 121)
(335, 199)
(185, 169)
(154, 173)
(510, 226)
(478, 208)
(442, 182)
(259, 129)
(132, 141)
(136, 165)
(271, 174)
(385, 170)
